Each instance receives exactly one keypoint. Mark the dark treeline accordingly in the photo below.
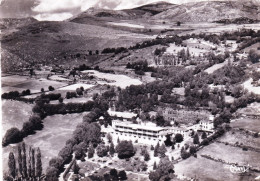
(140, 67)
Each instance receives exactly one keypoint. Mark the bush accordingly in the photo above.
(51, 88)
(102, 150)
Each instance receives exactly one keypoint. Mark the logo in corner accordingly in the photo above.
(238, 169)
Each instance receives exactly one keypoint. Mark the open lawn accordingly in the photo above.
(52, 138)
(14, 114)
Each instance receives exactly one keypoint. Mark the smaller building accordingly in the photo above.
(206, 125)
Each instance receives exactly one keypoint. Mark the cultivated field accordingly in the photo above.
(57, 130)
(13, 115)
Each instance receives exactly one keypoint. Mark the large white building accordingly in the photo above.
(146, 133)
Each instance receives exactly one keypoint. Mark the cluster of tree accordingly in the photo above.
(70, 95)
(15, 94)
(145, 153)
(159, 51)
(164, 171)
(114, 50)
(50, 96)
(29, 166)
(158, 41)
(187, 151)
(140, 67)
(160, 150)
(112, 175)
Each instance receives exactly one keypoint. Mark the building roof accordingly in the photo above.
(149, 127)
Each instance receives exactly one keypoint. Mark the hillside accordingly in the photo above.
(50, 42)
(211, 11)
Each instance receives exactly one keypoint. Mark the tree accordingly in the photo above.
(193, 150)
(24, 161)
(253, 56)
(164, 171)
(162, 150)
(178, 138)
(146, 155)
(79, 91)
(196, 139)
(112, 149)
(109, 137)
(51, 88)
(156, 149)
(178, 23)
(168, 141)
(113, 173)
(125, 149)
(33, 163)
(204, 135)
(11, 165)
(122, 175)
(154, 165)
(91, 151)
(20, 162)
(75, 168)
(61, 100)
(184, 153)
(42, 90)
(101, 150)
(52, 174)
(29, 163)
(38, 163)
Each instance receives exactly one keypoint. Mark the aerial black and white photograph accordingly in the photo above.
(135, 90)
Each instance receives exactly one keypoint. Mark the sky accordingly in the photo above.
(59, 10)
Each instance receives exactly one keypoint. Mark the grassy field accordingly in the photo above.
(206, 170)
(14, 114)
(246, 123)
(57, 130)
(234, 137)
(222, 151)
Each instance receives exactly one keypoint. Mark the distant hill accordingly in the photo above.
(210, 11)
(145, 11)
